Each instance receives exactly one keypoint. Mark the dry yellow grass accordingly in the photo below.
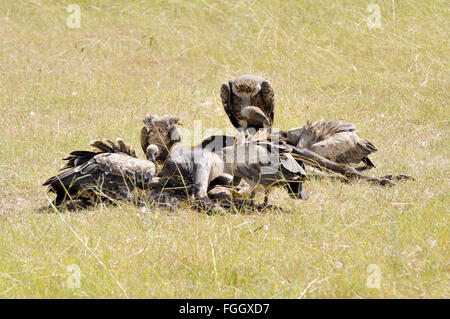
(62, 87)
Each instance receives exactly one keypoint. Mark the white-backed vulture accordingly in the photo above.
(161, 131)
(334, 140)
(248, 101)
(111, 171)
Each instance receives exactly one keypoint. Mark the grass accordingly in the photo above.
(62, 87)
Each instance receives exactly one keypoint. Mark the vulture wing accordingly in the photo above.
(144, 139)
(268, 98)
(109, 168)
(227, 101)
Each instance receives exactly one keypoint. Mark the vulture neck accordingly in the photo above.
(245, 102)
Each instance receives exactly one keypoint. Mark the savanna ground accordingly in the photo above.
(61, 87)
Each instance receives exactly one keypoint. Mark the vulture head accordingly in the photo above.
(246, 88)
(158, 136)
(152, 152)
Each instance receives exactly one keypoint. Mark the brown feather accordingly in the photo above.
(257, 89)
(334, 140)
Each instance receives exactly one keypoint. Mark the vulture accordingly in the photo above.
(161, 131)
(249, 102)
(111, 171)
(333, 140)
(264, 163)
